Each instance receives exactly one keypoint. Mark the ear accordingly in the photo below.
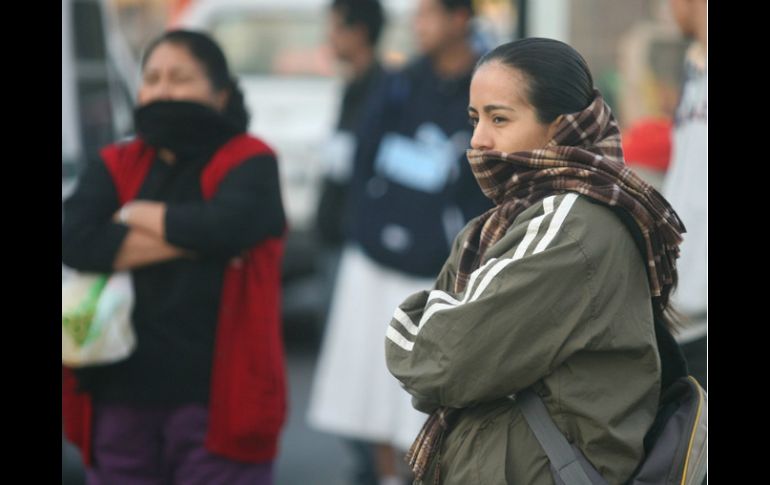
(554, 124)
(362, 33)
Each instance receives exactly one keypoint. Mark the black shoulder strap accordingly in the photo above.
(568, 464)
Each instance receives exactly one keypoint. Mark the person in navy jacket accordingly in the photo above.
(411, 192)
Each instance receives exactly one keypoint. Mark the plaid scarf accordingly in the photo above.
(584, 156)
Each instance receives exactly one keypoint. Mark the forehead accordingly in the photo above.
(168, 55)
(430, 6)
(336, 15)
(495, 82)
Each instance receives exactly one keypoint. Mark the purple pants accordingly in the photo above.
(162, 446)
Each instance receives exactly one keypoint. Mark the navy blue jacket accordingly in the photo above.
(413, 189)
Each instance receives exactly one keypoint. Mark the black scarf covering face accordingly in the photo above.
(185, 128)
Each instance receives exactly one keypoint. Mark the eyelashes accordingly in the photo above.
(496, 120)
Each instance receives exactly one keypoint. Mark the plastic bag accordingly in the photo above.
(96, 318)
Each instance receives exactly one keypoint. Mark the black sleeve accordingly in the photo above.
(245, 210)
(90, 240)
(371, 127)
(331, 212)
(376, 114)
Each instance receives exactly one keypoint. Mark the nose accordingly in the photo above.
(163, 90)
(481, 139)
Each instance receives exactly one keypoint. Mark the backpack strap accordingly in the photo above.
(572, 468)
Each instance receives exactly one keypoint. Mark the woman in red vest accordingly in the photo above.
(192, 207)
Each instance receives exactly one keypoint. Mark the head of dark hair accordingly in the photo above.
(367, 13)
(210, 55)
(453, 5)
(557, 76)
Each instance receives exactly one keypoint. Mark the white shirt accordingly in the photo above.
(686, 188)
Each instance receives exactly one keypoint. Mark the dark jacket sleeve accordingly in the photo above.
(245, 210)
(90, 240)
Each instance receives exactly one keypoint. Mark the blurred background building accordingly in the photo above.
(278, 49)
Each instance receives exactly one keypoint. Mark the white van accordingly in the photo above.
(278, 51)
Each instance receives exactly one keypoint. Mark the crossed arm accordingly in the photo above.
(100, 235)
(145, 242)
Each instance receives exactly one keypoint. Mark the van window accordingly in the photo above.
(96, 120)
(89, 31)
(92, 77)
(293, 44)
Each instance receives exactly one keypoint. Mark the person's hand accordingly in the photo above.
(145, 215)
(121, 215)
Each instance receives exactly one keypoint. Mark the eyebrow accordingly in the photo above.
(175, 69)
(491, 107)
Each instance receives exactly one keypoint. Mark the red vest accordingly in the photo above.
(247, 404)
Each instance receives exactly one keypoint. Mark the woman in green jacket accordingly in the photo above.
(556, 288)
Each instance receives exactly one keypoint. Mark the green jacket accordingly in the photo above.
(561, 302)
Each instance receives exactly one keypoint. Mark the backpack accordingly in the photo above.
(675, 447)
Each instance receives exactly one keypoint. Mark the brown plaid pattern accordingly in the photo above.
(584, 156)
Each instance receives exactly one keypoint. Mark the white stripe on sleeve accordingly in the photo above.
(404, 320)
(398, 339)
(556, 222)
(532, 229)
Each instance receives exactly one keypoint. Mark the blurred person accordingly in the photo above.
(354, 31)
(562, 287)
(355, 28)
(686, 185)
(192, 208)
(410, 194)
